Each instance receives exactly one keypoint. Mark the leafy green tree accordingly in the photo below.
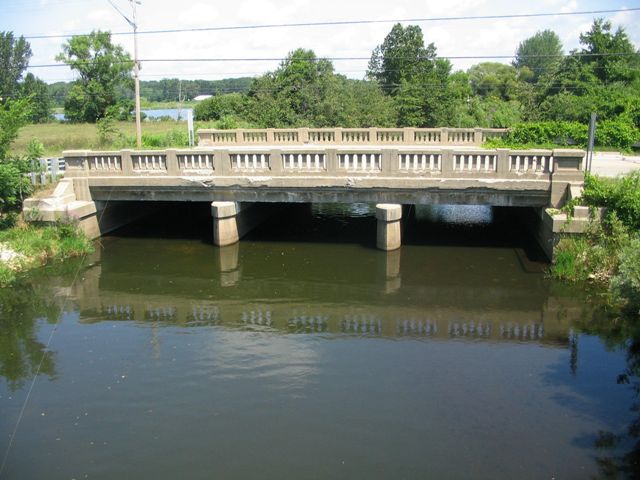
(38, 92)
(611, 56)
(539, 55)
(14, 114)
(103, 68)
(492, 79)
(14, 58)
(215, 108)
(402, 57)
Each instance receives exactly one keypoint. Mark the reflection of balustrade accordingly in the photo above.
(160, 314)
(427, 328)
(308, 323)
(117, 312)
(203, 315)
(515, 331)
(361, 324)
(469, 329)
(256, 317)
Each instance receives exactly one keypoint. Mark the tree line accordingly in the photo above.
(406, 84)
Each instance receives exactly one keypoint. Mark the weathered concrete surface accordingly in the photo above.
(233, 220)
(389, 231)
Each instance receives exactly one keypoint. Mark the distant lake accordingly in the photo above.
(174, 113)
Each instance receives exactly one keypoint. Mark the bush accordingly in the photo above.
(616, 134)
(626, 282)
(621, 196)
(220, 106)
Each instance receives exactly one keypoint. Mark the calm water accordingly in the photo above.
(305, 353)
(174, 113)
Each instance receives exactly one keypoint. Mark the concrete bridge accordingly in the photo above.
(237, 170)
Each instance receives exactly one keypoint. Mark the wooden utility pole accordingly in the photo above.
(136, 73)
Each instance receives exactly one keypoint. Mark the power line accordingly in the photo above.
(340, 59)
(348, 22)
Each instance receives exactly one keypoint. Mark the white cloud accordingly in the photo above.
(452, 38)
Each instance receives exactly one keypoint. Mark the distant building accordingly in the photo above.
(199, 98)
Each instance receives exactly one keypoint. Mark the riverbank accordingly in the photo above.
(609, 252)
(25, 247)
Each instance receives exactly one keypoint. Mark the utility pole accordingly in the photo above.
(136, 64)
(136, 73)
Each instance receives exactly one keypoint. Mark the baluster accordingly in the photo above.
(415, 161)
(534, 166)
(526, 164)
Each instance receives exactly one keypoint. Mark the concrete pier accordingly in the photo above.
(225, 223)
(389, 232)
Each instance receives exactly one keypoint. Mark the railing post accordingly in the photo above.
(409, 135)
(338, 135)
(373, 136)
(390, 161)
(173, 169)
(567, 171)
(270, 137)
(75, 163)
(444, 136)
(477, 136)
(447, 161)
(127, 162)
(275, 162)
(502, 168)
(332, 161)
(303, 135)
(240, 137)
(222, 163)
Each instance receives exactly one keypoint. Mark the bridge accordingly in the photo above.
(238, 170)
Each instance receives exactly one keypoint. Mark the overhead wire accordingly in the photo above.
(347, 22)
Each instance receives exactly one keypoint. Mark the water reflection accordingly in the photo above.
(359, 353)
(21, 352)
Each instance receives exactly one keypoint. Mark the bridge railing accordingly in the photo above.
(348, 136)
(347, 161)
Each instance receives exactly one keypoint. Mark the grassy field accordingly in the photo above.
(57, 136)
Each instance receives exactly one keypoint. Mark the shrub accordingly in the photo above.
(625, 284)
(621, 196)
(220, 106)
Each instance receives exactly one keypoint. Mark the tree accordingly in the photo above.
(103, 68)
(539, 55)
(37, 91)
(492, 79)
(402, 56)
(14, 58)
(611, 56)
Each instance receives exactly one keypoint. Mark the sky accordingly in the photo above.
(452, 38)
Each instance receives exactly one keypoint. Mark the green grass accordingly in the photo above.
(58, 136)
(39, 245)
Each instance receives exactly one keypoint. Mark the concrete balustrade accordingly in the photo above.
(348, 136)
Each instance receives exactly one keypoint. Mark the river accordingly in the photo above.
(303, 352)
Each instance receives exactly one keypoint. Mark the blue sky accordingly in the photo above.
(452, 38)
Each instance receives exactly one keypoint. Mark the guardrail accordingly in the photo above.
(46, 170)
(348, 136)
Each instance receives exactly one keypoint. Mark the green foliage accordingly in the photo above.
(173, 138)
(620, 196)
(402, 57)
(38, 245)
(103, 69)
(491, 79)
(539, 55)
(625, 284)
(14, 58)
(13, 116)
(14, 185)
(220, 106)
(108, 132)
(38, 92)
